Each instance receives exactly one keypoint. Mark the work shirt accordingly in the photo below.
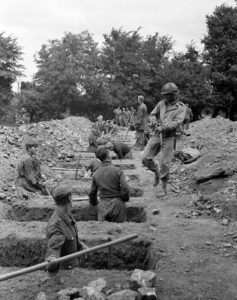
(170, 116)
(93, 165)
(121, 149)
(29, 174)
(62, 239)
(110, 181)
(141, 117)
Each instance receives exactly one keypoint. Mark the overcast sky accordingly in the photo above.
(34, 22)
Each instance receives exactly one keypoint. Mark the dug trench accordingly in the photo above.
(24, 245)
(126, 164)
(41, 208)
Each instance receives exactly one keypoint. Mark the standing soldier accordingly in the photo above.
(62, 232)
(141, 122)
(114, 190)
(169, 114)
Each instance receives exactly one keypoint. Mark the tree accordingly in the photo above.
(67, 72)
(131, 65)
(191, 75)
(221, 54)
(10, 67)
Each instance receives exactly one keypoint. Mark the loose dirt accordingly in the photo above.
(193, 248)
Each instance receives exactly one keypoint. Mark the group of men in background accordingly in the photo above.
(124, 116)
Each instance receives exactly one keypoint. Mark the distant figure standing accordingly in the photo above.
(188, 117)
(141, 123)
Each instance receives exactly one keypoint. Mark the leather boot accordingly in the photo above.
(157, 178)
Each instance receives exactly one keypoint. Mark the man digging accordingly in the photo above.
(169, 115)
(29, 175)
(62, 232)
(114, 191)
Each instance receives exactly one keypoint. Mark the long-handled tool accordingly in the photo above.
(67, 257)
(78, 163)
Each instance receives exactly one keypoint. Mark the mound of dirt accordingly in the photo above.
(58, 139)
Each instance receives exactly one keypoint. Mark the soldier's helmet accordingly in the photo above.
(169, 88)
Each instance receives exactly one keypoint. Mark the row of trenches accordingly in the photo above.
(25, 251)
(82, 211)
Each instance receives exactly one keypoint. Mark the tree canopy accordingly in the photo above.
(10, 67)
(221, 54)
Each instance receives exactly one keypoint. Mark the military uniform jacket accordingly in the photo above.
(29, 174)
(110, 181)
(62, 239)
(141, 117)
(170, 116)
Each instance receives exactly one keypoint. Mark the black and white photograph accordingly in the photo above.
(118, 150)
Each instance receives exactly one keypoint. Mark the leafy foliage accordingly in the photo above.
(68, 70)
(221, 54)
(10, 67)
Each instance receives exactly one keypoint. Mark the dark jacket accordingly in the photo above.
(29, 174)
(111, 183)
(93, 165)
(121, 149)
(62, 239)
(141, 117)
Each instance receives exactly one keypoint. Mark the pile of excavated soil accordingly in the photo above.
(213, 177)
(58, 139)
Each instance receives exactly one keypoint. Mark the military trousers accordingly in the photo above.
(152, 149)
(112, 210)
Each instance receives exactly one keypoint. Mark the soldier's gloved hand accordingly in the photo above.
(53, 266)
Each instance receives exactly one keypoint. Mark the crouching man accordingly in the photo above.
(28, 169)
(122, 150)
(62, 232)
(114, 191)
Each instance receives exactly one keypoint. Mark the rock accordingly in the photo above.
(70, 155)
(147, 293)
(71, 292)
(64, 297)
(225, 222)
(124, 295)
(140, 278)
(213, 171)
(98, 284)
(2, 196)
(228, 245)
(89, 293)
(41, 296)
(155, 212)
